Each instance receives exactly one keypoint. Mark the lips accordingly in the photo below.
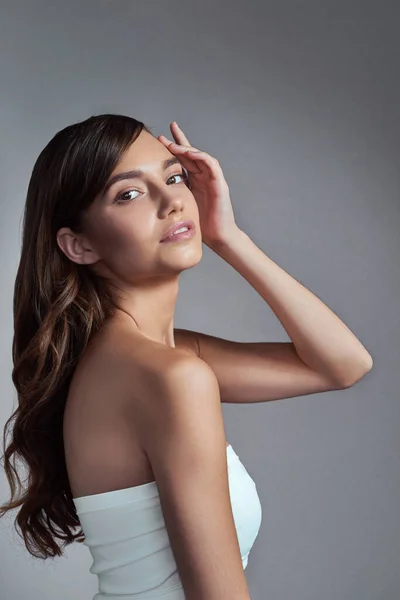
(176, 226)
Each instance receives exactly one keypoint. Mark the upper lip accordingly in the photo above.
(189, 224)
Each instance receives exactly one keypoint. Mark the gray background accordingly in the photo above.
(300, 102)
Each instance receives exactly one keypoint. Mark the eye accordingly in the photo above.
(122, 199)
(183, 175)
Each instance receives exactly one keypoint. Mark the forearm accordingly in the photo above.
(321, 339)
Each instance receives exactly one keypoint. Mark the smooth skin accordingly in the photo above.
(141, 407)
(145, 400)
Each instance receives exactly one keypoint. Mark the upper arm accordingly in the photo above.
(184, 438)
(255, 371)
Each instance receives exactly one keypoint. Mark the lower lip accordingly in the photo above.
(184, 235)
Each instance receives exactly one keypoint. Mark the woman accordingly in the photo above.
(119, 418)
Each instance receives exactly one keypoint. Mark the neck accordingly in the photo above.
(151, 308)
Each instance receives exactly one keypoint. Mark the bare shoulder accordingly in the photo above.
(121, 364)
(105, 400)
(183, 435)
(172, 382)
(161, 404)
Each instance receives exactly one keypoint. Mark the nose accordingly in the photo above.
(171, 200)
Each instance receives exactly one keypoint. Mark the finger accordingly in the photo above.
(174, 146)
(167, 143)
(203, 161)
(187, 157)
(164, 140)
(178, 150)
(178, 134)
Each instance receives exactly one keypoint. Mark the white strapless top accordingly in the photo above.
(127, 537)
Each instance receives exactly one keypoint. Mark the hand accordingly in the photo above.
(208, 186)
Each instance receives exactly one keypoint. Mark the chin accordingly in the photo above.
(183, 261)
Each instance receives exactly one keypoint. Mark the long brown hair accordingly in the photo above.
(58, 306)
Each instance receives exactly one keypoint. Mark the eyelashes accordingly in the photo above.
(121, 200)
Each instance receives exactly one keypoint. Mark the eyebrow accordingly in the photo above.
(137, 173)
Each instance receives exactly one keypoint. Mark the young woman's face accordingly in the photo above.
(126, 224)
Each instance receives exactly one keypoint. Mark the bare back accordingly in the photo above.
(102, 449)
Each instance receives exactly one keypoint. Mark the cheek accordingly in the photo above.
(128, 242)
(124, 240)
(122, 232)
(126, 249)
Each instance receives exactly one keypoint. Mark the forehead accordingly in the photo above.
(146, 153)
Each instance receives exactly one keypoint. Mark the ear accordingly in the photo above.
(76, 247)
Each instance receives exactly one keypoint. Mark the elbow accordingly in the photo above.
(356, 374)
